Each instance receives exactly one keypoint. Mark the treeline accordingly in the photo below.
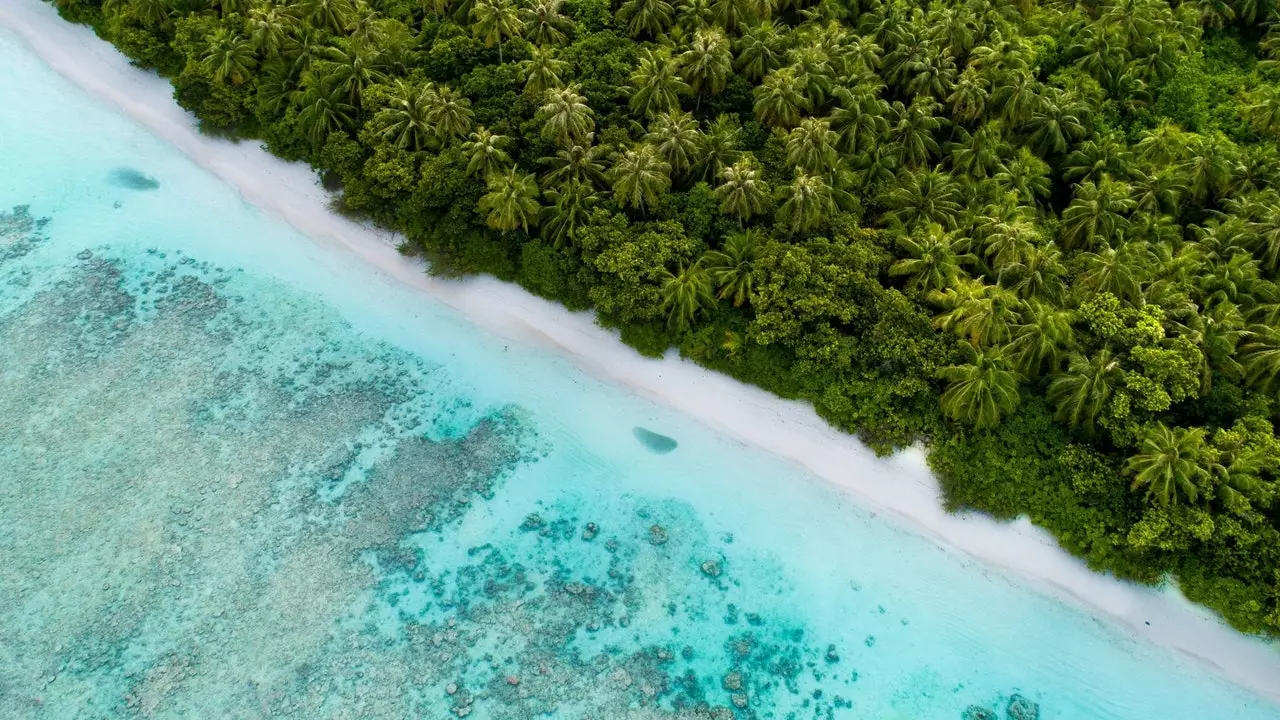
(1043, 237)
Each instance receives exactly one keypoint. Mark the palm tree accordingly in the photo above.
(542, 71)
(1096, 213)
(707, 63)
(229, 56)
(322, 110)
(570, 208)
(720, 146)
(968, 98)
(980, 154)
(565, 116)
(1017, 98)
(448, 114)
(760, 50)
(1027, 175)
(859, 117)
(980, 391)
(269, 28)
(485, 153)
(655, 84)
(985, 315)
(1209, 168)
(685, 295)
(334, 16)
(544, 24)
(1096, 159)
(809, 203)
(779, 100)
(493, 20)
(351, 72)
(676, 137)
(813, 72)
(1119, 272)
(912, 134)
(1260, 356)
(1170, 463)
(744, 190)
(924, 196)
(577, 164)
(511, 201)
(1043, 339)
(405, 121)
(811, 146)
(639, 176)
(933, 259)
(438, 8)
(1038, 274)
(1058, 122)
(1263, 110)
(732, 269)
(1083, 391)
(646, 16)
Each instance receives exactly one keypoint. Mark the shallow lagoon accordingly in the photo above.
(242, 476)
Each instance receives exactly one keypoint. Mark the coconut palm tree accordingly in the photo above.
(732, 269)
(719, 146)
(577, 164)
(405, 122)
(676, 137)
(685, 295)
(229, 56)
(639, 176)
(809, 202)
(650, 17)
(565, 116)
(985, 315)
(981, 391)
(1260, 356)
(779, 100)
(1171, 464)
(743, 191)
(1057, 123)
(912, 134)
(569, 208)
(761, 50)
(485, 153)
(351, 72)
(511, 202)
(969, 96)
(448, 114)
(933, 259)
(544, 23)
(924, 196)
(335, 16)
(542, 71)
(322, 110)
(1043, 339)
(1263, 110)
(1097, 213)
(656, 84)
(1039, 273)
(269, 27)
(811, 146)
(859, 117)
(1082, 392)
(493, 20)
(707, 62)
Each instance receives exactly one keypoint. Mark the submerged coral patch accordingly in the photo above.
(656, 442)
(131, 179)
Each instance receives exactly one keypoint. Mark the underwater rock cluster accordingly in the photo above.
(219, 500)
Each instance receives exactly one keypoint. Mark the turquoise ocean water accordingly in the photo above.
(242, 476)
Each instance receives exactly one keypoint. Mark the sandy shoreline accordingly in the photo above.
(901, 485)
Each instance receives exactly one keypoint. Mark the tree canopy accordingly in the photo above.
(1043, 237)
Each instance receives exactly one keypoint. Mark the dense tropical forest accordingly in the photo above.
(1042, 237)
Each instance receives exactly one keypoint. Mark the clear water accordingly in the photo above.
(242, 476)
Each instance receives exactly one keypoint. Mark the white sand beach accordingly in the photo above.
(901, 485)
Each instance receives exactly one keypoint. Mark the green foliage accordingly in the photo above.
(1048, 246)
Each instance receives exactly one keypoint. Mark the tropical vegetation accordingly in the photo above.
(1041, 237)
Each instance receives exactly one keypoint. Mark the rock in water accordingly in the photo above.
(654, 441)
(130, 179)
(977, 712)
(1021, 708)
